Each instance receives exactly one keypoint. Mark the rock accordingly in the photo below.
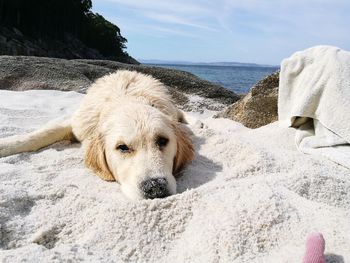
(188, 91)
(208, 95)
(258, 107)
(13, 42)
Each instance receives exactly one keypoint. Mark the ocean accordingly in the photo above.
(236, 78)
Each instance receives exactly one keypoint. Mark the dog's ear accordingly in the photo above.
(95, 159)
(185, 149)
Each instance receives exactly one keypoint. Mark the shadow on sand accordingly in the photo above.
(200, 171)
(333, 258)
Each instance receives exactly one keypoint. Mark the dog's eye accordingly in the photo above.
(162, 142)
(123, 148)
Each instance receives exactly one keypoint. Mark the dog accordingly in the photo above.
(130, 130)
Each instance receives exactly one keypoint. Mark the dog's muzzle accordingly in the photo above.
(155, 188)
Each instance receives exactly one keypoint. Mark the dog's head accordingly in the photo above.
(141, 148)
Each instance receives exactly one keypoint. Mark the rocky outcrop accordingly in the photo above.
(258, 107)
(188, 91)
(13, 42)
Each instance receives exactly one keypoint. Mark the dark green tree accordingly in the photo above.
(57, 18)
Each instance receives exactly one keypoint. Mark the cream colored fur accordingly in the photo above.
(125, 108)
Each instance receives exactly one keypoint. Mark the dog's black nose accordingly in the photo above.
(155, 188)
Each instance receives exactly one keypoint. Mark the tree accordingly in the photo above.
(57, 18)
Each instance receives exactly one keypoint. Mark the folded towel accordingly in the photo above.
(314, 96)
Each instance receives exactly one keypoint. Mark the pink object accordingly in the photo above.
(315, 246)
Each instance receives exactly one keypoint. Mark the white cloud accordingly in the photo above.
(180, 6)
(166, 30)
(154, 30)
(188, 13)
(173, 19)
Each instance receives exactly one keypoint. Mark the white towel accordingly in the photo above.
(314, 96)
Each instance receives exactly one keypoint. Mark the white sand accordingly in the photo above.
(249, 196)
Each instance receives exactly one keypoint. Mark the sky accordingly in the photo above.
(252, 31)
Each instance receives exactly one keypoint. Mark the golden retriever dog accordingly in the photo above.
(131, 133)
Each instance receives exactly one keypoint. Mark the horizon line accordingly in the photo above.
(184, 62)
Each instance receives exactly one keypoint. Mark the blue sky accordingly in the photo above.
(254, 31)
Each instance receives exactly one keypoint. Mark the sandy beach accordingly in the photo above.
(249, 196)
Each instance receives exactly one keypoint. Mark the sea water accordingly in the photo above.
(236, 78)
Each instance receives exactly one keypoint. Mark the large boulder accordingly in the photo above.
(14, 42)
(188, 91)
(258, 107)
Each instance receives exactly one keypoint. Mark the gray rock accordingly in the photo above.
(258, 107)
(25, 72)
